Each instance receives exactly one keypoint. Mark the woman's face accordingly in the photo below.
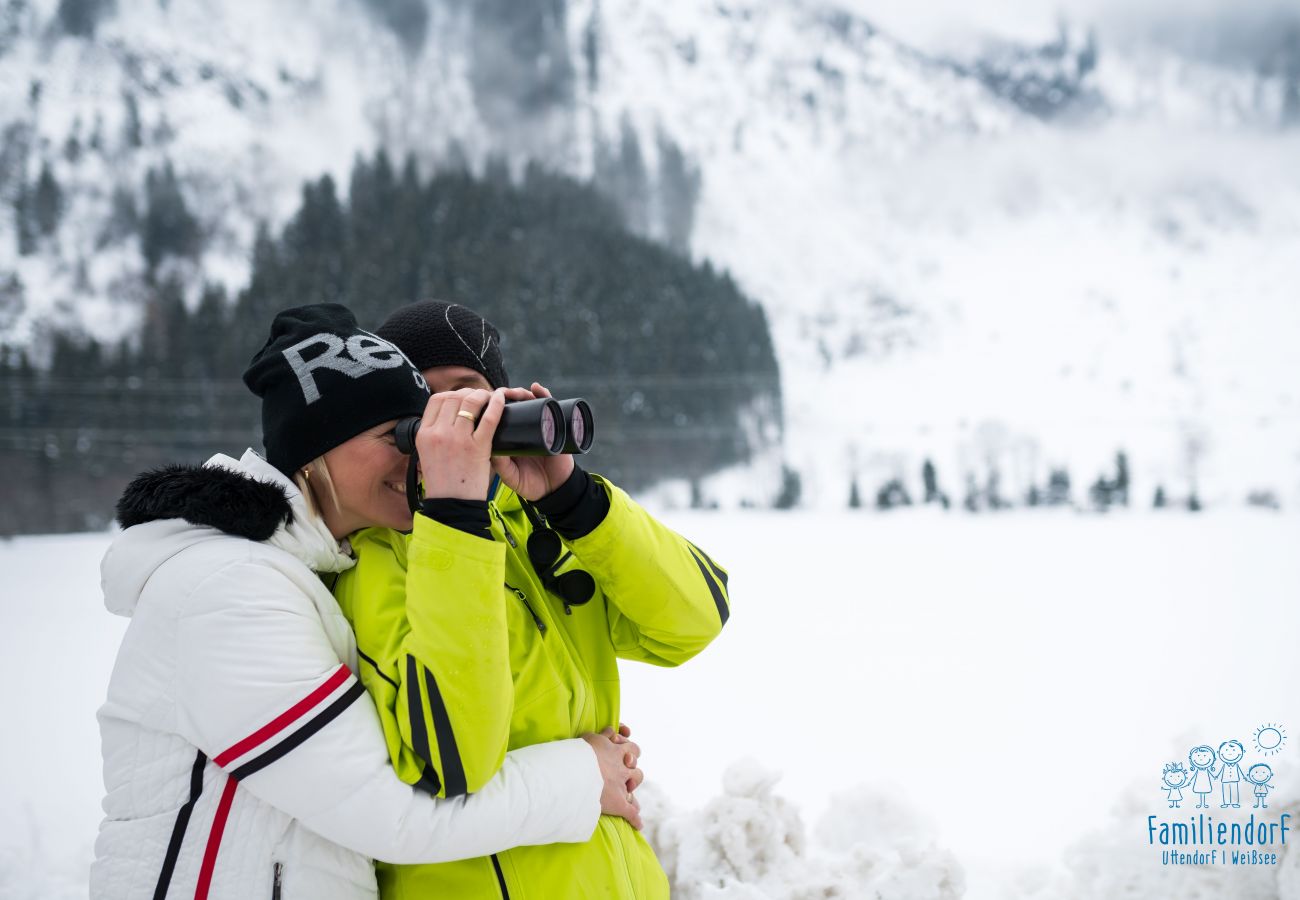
(369, 475)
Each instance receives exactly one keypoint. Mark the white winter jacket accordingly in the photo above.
(242, 758)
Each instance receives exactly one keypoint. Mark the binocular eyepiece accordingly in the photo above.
(541, 427)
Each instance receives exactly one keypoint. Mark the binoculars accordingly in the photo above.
(542, 427)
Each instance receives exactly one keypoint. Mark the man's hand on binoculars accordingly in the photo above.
(532, 477)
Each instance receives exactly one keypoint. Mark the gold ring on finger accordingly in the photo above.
(466, 414)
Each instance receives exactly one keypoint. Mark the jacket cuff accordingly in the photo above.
(469, 516)
(577, 507)
(442, 547)
(566, 786)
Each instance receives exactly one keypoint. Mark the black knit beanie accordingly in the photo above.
(323, 380)
(432, 333)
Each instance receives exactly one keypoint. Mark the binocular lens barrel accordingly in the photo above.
(530, 428)
(582, 425)
(541, 427)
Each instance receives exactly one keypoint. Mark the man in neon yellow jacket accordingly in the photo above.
(478, 632)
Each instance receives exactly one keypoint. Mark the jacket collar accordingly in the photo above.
(502, 497)
(302, 534)
(168, 509)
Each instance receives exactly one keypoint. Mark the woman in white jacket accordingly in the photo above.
(242, 758)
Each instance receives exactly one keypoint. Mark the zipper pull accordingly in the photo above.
(537, 620)
(510, 538)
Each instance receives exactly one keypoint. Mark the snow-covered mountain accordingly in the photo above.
(1022, 256)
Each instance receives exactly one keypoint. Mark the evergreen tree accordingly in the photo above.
(25, 227)
(697, 494)
(496, 171)
(972, 499)
(455, 159)
(591, 49)
(79, 17)
(1159, 501)
(123, 218)
(1058, 488)
(1121, 483)
(621, 174)
(97, 134)
(72, 145)
(891, 494)
(47, 202)
(13, 300)
(791, 489)
(168, 227)
(679, 192)
(992, 490)
(930, 480)
(132, 128)
(1101, 493)
(855, 499)
(166, 342)
(209, 321)
(316, 248)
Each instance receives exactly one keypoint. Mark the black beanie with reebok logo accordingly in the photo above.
(323, 380)
(432, 333)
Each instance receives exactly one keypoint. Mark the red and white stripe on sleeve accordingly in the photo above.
(293, 726)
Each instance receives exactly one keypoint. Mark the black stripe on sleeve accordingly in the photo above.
(326, 715)
(718, 601)
(419, 732)
(429, 782)
(178, 830)
(453, 770)
(378, 671)
(501, 878)
(721, 575)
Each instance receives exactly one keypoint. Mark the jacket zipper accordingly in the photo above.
(275, 883)
(537, 620)
(510, 538)
(501, 877)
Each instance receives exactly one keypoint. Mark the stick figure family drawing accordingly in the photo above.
(1206, 767)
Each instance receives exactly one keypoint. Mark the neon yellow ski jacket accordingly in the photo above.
(468, 656)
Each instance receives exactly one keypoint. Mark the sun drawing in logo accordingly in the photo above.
(1269, 738)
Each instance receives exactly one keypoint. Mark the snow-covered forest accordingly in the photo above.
(1014, 258)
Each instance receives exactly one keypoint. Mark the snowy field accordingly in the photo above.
(955, 705)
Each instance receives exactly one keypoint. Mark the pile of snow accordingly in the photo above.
(751, 844)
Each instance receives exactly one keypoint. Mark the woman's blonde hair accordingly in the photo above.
(313, 480)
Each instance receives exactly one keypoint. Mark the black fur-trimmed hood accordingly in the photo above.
(167, 511)
(211, 496)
